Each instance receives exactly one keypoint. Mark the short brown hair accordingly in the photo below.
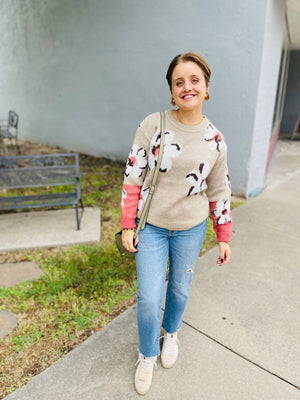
(194, 57)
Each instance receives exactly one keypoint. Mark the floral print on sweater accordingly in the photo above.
(198, 179)
(215, 139)
(222, 220)
(143, 197)
(222, 212)
(227, 179)
(136, 161)
(124, 195)
(171, 150)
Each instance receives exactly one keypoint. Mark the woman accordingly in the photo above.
(193, 178)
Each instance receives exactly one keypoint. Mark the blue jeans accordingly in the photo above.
(156, 246)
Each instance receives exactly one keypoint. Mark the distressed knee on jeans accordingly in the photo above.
(184, 282)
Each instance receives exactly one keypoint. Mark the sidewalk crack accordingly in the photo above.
(241, 356)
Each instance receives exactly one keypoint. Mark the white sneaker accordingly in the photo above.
(144, 373)
(169, 351)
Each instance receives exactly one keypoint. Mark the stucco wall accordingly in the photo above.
(291, 110)
(265, 103)
(83, 74)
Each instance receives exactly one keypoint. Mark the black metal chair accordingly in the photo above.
(9, 128)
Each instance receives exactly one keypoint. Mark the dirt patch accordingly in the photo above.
(31, 148)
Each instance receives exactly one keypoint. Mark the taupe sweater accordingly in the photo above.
(193, 176)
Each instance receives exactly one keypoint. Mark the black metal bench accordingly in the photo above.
(40, 171)
(9, 127)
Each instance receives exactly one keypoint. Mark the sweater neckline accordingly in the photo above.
(188, 128)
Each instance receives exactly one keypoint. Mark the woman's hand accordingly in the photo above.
(225, 253)
(127, 240)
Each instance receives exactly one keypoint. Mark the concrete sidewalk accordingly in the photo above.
(241, 334)
(51, 228)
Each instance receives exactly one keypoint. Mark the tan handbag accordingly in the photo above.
(143, 219)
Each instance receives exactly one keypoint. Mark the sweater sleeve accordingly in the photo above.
(219, 193)
(135, 172)
(129, 204)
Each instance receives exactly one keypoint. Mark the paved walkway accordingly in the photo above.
(241, 334)
(52, 228)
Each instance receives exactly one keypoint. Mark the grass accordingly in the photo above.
(83, 287)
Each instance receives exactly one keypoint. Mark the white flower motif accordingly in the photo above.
(227, 179)
(198, 179)
(171, 150)
(124, 195)
(136, 161)
(215, 139)
(143, 197)
(222, 212)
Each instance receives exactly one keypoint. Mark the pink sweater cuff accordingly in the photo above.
(129, 204)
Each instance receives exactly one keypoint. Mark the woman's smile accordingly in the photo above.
(188, 96)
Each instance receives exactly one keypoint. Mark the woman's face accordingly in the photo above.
(188, 86)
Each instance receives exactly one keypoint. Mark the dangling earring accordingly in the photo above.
(206, 96)
(173, 102)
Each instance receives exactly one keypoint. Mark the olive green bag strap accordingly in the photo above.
(145, 211)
